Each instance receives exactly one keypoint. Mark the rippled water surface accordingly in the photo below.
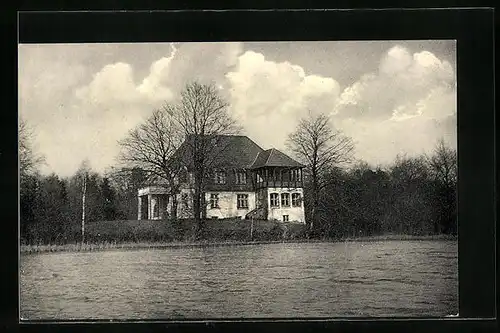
(391, 278)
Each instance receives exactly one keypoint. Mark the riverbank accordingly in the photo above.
(92, 247)
(89, 247)
(394, 237)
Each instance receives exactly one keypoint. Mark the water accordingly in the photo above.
(391, 278)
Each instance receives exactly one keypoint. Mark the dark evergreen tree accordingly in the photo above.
(108, 198)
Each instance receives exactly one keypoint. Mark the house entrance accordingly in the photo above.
(144, 207)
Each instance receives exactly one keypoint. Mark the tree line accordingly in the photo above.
(51, 206)
(413, 195)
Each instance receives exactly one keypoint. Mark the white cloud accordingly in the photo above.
(99, 112)
(154, 86)
(397, 60)
(403, 79)
(404, 108)
(113, 83)
(204, 62)
(269, 98)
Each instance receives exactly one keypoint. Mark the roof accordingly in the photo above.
(274, 158)
(231, 151)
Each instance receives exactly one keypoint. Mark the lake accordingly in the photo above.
(387, 278)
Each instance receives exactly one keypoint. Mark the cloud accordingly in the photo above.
(93, 112)
(204, 62)
(269, 98)
(113, 83)
(154, 86)
(403, 108)
(81, 105)
(403, 80)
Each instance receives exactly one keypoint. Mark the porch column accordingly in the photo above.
(139, 207)
(168, 205)
(150, 208)
(154, 207)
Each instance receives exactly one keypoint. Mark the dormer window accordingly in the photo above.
(241, 177)
(220, 177)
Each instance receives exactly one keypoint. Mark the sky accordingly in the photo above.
(390, 97)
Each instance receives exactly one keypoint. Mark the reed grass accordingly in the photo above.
(396, 237)
(103, 246)
(88, 247)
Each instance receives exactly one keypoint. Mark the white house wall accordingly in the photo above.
(227, 202)
(295, 214)
(228, 205)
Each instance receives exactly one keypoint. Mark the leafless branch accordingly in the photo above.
(28, 158)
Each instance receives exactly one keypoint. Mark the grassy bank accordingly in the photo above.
(395, 237)
(102, 246)
(157, 231)
(104, 235)
(90, 247)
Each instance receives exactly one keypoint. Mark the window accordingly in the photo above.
(259, 178)
(285, 218)
(285, 199)
(242, 201)
(296, 199)
(220, 177)
(295, 175)
(214, 200)
(286, 175)
(275, 202)
(241, 177)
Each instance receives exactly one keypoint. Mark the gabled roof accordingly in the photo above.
(228, 151)
(274, 158)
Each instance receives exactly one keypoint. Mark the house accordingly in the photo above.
(244, 181)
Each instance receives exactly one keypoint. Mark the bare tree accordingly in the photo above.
(28, 158)
(444, 169)
(203, 117)
(320, 147)
(150, 147)
(443, 164)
